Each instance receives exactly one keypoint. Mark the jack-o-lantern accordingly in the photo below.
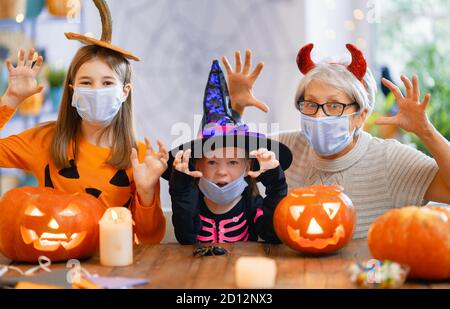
(315, 219)
(43, 221)
(415, 236)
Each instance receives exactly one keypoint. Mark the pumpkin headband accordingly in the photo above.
(357, 67)
(105, 40)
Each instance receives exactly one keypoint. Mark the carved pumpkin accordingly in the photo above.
(43, 221)
(315, 219)
(417, 237)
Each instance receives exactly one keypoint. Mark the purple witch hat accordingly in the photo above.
(222, 127)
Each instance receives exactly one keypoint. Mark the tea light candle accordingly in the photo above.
(255, 272)
(116, 237)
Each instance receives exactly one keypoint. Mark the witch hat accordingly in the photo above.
(105, 40)
(222, 127)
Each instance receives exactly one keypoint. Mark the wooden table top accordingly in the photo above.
(174, 266)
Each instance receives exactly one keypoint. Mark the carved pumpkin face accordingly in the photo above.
(43, 221)
(315, 219)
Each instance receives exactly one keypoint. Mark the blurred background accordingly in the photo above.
(178, 39)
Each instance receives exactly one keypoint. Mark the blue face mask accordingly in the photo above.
(222, 195)
(98, 106)
(327, 135)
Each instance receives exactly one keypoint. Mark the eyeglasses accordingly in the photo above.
(209, 251)
(330, 109)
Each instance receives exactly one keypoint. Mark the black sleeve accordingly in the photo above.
(276, 189)
(185, 208)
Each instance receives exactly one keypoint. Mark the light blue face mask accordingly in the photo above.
(98, 106)
(222, 195)
(327, 135)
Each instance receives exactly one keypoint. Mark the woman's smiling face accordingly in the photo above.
(320, 92)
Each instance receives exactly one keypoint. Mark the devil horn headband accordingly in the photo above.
(357, 67)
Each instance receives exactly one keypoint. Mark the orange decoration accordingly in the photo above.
(417, 237)
(316, 219)
(43, 221)
(58, 7)
(32, 105)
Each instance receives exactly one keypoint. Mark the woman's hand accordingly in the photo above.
(240, 83)
(266, 159)
(411, 116)
(22, 79)
(146, 174)
(181, 164)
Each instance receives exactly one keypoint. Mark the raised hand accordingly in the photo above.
(411, 116)
(147, 173)
(266, 159)
(240, 83)
(22, 79)
(181, 164)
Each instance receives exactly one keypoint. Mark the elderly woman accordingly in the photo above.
(334, 100)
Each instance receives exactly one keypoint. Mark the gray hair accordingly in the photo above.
(337, 75)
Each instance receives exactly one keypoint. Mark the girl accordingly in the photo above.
(91, 146)
(219, 201)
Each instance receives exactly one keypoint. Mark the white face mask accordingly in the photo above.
(98, 106)
(328, 135)
(222, 195)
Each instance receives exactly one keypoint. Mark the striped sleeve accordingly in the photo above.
(409, 173)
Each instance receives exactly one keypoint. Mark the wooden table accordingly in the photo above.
(174, 266)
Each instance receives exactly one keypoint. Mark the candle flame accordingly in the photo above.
(114, 215)
(314, 227)
(53, 224)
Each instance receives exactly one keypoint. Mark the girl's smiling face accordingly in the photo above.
(96, 74)
(224, 165)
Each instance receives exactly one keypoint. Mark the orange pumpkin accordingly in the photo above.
(315, 219)
(43, 221)
(417, 237)
(32, 105)
(58, 7)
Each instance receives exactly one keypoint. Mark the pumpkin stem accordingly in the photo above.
(105, 15)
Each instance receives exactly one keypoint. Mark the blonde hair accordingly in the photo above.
(68, 124)
(337, 75)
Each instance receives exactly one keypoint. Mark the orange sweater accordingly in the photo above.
(29, 151)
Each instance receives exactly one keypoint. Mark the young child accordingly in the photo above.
(218, 201)
(91, 147)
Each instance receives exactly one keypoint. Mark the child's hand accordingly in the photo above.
(240, 83)
(147, 173)
(22, 79)
(411, 116)
(181, 164)
(267, 161)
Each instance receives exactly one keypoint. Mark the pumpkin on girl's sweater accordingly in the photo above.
(416, 236)
(43, 221)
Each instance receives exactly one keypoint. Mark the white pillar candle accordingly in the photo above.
(116, 237)
(255, 272)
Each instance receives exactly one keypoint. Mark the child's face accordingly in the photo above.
(224, 165)
(96, 74)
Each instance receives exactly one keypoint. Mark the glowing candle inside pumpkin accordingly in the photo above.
(116, 237)
(255, 272)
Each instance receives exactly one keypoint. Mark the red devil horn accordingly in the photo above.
(359, 65)
(304, 62)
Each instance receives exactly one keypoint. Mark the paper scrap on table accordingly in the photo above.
(117, 282)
